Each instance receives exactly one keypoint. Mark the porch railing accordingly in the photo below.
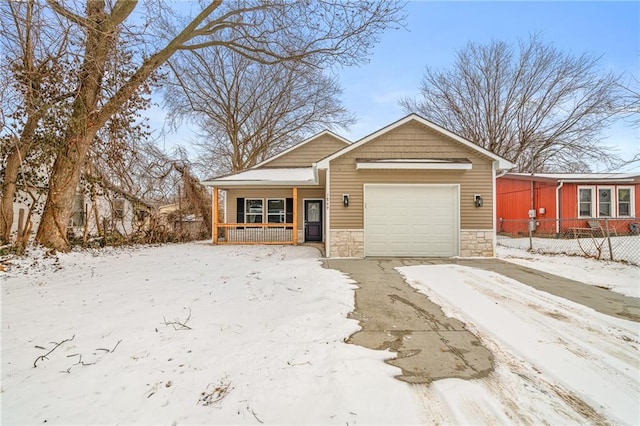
(255, 233)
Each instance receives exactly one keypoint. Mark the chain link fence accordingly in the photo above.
(614, 239)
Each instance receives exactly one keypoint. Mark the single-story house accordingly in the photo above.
(117, 209)
(557, 203)
(411, 188)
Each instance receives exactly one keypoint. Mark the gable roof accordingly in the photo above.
(298, 145)
(576, 177)
(502, 163)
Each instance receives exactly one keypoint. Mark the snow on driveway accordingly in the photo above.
(264, 341)
(615, 276)
(556, 361)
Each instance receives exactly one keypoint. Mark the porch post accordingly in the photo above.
(295, 215)
(214, 216)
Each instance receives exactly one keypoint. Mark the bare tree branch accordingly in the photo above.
(243, 120)
(57, 345)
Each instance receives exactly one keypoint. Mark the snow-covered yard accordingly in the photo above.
(624, 248)
(199, 334)
(264, 343)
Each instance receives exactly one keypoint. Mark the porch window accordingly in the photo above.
(585, 201)
(604, 202)
(253, 210)
(624, 201)
(275, 210)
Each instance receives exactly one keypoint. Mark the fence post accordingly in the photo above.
(606, 227)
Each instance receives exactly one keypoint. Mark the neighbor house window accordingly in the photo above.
(624, 201)
(77, 217)
(275, 210)
(253, 210)
(604, 202)
(118, 209)
(585, 201)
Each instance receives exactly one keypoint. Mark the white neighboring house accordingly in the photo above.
(185, 223)
(119, 211)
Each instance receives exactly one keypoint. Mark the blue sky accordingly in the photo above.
(436, 30)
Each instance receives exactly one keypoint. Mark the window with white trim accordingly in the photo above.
(585, 201)
(605, 202)
(625, 201)
(275, 210)
(253, 210)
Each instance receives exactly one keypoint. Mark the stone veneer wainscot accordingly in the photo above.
(347, 243)
(476, 243)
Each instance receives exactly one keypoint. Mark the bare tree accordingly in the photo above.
(32, 68)
(535, 105)
(631, 106)
(43, 66)
(269, 32)
(631, 112)
(245, 110)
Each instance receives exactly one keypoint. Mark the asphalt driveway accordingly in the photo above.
(430, 345)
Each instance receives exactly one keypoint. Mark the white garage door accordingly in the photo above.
(411, 220)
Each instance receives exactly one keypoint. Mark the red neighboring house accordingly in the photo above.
(567, 201)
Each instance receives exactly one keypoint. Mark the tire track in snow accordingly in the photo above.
(572, 363)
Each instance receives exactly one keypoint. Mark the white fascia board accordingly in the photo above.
(605, 181)
(413, 166)
(229, 183)
(502, 163)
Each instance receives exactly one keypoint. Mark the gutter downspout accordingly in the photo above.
(558, 206)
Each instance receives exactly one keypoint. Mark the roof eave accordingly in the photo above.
(233, 183)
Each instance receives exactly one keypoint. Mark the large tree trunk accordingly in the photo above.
(19, 151)
(81, 128)
(8, 193)
(63, 184)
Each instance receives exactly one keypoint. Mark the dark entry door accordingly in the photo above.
(313, 220)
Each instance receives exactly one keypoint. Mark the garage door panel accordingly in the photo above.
(411, 220)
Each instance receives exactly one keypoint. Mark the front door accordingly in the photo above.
(313, 220)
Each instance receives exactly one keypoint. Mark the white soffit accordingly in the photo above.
(414, 164)
(578, 177)
(300, 176)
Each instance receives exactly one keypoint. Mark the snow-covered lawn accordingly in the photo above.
(615, 276)
(265, 339)
(197, 334)
(626, 249)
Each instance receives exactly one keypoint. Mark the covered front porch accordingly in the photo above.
(267, 206)
(258, 228)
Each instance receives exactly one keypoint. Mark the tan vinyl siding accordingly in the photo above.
(266, 193)
(308, 153)
(411, 141)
